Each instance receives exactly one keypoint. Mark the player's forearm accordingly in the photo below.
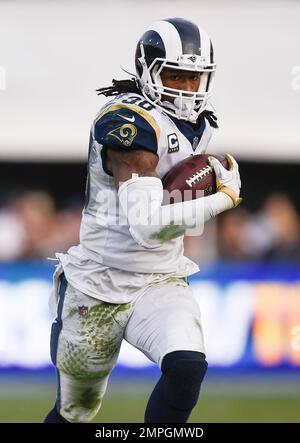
(215, 204)
(151, 223)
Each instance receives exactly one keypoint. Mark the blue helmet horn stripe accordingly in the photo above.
(189, 35)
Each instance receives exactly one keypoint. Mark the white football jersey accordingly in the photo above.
(130, 122)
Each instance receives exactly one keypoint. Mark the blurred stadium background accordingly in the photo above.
(53, 55)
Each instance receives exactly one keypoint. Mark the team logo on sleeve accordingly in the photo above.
(125, 134)
(173, 143)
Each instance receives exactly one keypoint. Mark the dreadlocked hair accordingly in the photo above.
(211, 117)
(120, 87)
(131, 85)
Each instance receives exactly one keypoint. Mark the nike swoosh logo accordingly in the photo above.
(129, 119)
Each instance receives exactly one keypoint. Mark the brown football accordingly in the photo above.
(191, 175)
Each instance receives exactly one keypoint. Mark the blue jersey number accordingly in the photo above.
(139, 102)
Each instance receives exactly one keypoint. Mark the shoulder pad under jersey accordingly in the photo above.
(127, 126)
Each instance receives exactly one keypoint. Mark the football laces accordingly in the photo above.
(198, 176)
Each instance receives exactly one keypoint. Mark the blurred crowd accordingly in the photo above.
(270, 234)
(31, 227)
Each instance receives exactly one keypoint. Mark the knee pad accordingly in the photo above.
(184, 372)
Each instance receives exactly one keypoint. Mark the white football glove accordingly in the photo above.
(228, 182)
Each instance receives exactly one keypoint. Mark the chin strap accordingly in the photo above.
(178, 112)
(209, 115)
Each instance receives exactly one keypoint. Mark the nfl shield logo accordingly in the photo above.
(193, 58)
(195, 142)
(83, 310)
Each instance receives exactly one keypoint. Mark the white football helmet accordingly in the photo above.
(177, 44)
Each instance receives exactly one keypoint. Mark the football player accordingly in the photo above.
(127, 279)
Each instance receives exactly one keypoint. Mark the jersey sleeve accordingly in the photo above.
(127, 128)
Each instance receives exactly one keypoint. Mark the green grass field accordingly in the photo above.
(221, 401)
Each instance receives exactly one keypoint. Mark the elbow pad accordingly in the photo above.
(140, 201)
